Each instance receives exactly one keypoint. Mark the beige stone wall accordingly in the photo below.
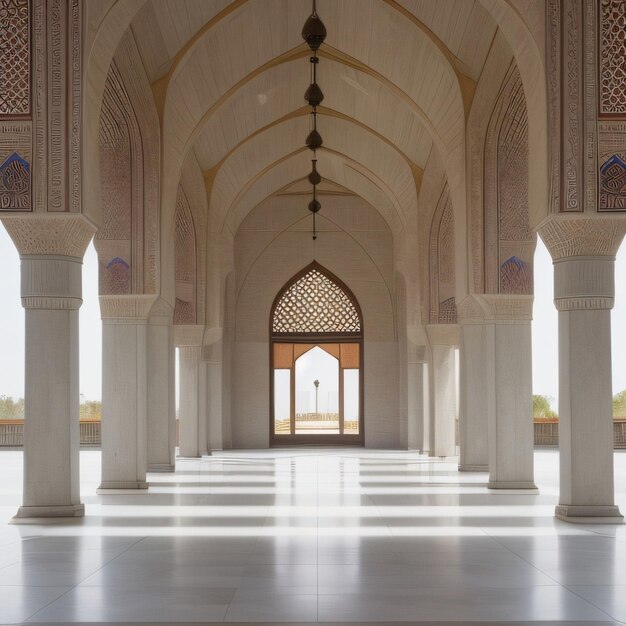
(273, 244)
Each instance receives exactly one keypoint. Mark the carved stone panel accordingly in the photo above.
(612, 65)
(185, 262)
(14, 58)
(612, 166)
(15, 166)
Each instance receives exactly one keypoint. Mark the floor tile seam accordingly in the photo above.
(72, 587)
(569, 588)
(67, 590)
(557, 582)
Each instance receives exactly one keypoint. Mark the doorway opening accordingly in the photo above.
(316, 362)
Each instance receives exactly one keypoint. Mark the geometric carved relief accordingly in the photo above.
(314, 303)
(612, 166)
(515, 277)
(185, 262)
(15, 169)
(115, 278)
(14, 58)
(442, 274)
(121, 166)
(15, 183)
(447, 312)
(612, 88)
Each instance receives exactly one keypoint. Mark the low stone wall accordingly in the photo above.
(12, 433)
(546, 433)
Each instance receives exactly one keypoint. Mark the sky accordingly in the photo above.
(544, 326)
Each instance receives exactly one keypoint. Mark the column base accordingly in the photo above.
(468, 467)
(589, 514)
(513, 486)
(189, 456)
(113, 487)
(38, 514)
(161, 467)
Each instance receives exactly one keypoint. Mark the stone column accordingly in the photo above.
(473, 396)
(583, 251)
(416, 357)
(161, 389)
(51, 250)
(508, 390)
(125, 391)
(443, 340)
(191, 417)
(212, 355)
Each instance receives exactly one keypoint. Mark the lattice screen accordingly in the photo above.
(315, 304)
(14, 58)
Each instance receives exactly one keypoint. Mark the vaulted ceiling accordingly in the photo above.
(229, 79)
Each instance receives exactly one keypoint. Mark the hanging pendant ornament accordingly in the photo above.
(314, 33)
(314, 176)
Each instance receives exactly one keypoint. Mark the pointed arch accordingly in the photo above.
(119, 240)
(316, 302)
(315, 309)
(509, 240)
(184, 262)
(442, 263)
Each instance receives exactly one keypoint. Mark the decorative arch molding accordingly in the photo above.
(442, 262)
(315, 309)
(532, 69)
(185, 308)
(119, 240)
(508, 238)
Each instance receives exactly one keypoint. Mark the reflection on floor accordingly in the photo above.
(312, 535)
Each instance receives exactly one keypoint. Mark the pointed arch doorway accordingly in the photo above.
(316, 362)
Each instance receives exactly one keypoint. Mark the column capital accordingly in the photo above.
(495, 308)
(186, 335)
(126, 308)
(443, 334)
(569, 236)
(506, 308)
(469, 311)
(66, 235)
(584, 283)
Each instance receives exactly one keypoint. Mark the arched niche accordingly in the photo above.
(442, 263)
(185, 262)
(316, 316)
(509, 240)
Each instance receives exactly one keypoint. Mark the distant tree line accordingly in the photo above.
(542, 409)
(11, 409)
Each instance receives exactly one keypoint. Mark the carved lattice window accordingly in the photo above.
(315, 304)
(14, 58)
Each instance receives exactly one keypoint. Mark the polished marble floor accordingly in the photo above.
(312, 535)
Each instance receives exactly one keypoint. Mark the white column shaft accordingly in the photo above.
(584, 288)
(473, 410)
(511, 441)
(415, 406)
(161, 398)
(124, 404)
(443, 392)
(189, 428)
(51, 295)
